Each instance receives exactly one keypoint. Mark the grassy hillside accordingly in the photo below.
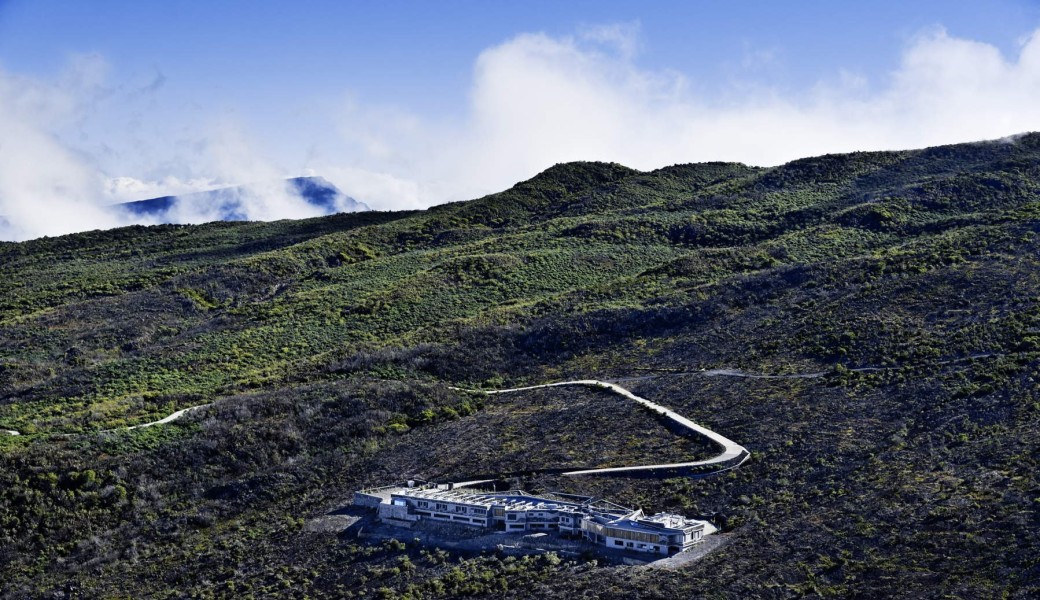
(910, 280)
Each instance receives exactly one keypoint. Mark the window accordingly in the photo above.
(619, 543)
(511, 516)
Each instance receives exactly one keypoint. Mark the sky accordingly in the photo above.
(409, 104)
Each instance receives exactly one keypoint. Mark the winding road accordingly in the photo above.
(732, 456)
(167, 419)
(730, 449)
(171, 417)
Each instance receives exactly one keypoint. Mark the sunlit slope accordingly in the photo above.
(120, 325)
(866, 325)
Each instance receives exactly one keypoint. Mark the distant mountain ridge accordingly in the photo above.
(229, 203)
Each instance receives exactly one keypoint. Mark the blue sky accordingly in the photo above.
(408, 104)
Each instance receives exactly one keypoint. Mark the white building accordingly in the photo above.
(599, 522)
(663, 533)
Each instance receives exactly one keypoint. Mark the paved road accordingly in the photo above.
(171, 417)
(727, 373)
(732, 456)
(729, 446)
(167, 419)
(739, 373)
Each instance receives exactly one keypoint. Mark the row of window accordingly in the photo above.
(638, 546)
(442, 506)
(514, 516)
(443, 517)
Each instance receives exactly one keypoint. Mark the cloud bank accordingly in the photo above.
(534, 100)
(537, 100)
(48, 187)
(44, 187)
(261, 193)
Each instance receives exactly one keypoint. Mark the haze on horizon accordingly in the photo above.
(407, 105)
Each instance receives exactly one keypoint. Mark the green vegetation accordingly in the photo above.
(911, 279)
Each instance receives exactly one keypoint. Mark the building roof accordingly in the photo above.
(658, 523)
(669, 520)
(513, 500)
(606, 514)
(600, 515)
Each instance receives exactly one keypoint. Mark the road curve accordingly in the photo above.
(172, 417)
(167, 419)
(732, 456)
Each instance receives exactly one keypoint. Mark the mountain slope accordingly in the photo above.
(893, 294)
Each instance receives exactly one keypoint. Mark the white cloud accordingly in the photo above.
(537, 100)
(128, 189)
(534, 100)
(265, 194)
(46, 189)
(624, 37)
(244, 183)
